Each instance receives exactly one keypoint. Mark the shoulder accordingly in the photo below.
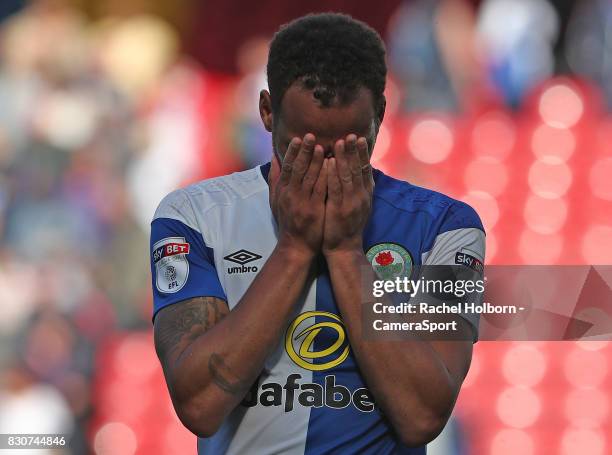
(200, 197)
(443, 211)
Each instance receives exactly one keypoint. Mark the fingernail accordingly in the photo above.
(309, 139)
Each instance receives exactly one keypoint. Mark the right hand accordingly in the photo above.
(297, 195)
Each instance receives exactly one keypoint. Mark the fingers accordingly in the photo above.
(275, 170)
(342, 166)
(302, 161)
(364, 161)
(334, 186)
(314, 170)
(290, 157)
(353, 161)
(319, 192)
(273, 178)
(303, 165)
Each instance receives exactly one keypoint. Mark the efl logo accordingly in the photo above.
(171, 266)
(242, 257)
(301, 334)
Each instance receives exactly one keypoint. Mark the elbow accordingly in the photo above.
(199, 410)
(421, 431)
(426, 420)
(199, 419)
(200, 429)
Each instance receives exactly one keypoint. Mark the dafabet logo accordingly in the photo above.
(301, 335)
(315, 341)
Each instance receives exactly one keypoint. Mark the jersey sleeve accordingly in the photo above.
(460, 242)
(182, 265)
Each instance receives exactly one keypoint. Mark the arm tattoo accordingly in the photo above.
(223, 376)
(178, 325)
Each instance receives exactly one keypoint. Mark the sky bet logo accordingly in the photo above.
(242, 257)
(299, 344)
(170, 249)
(470, 261)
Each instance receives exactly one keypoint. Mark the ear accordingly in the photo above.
(265, 109)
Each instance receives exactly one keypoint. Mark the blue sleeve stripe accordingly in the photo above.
(182, 265)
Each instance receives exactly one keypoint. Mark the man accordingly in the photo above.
(257, 275)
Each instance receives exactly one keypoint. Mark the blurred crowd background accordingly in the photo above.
(106, 106)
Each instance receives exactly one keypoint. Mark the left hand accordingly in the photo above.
(349, 196)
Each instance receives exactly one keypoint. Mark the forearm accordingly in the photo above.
(412, 384)
(214, 371)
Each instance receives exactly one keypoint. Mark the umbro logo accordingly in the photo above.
(242, 257)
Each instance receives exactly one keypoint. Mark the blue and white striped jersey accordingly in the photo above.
(211, 239)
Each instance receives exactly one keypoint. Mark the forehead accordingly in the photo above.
(302, 113)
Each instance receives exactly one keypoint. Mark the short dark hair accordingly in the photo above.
(330, 53)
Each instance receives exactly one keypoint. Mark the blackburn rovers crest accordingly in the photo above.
(390, 260)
